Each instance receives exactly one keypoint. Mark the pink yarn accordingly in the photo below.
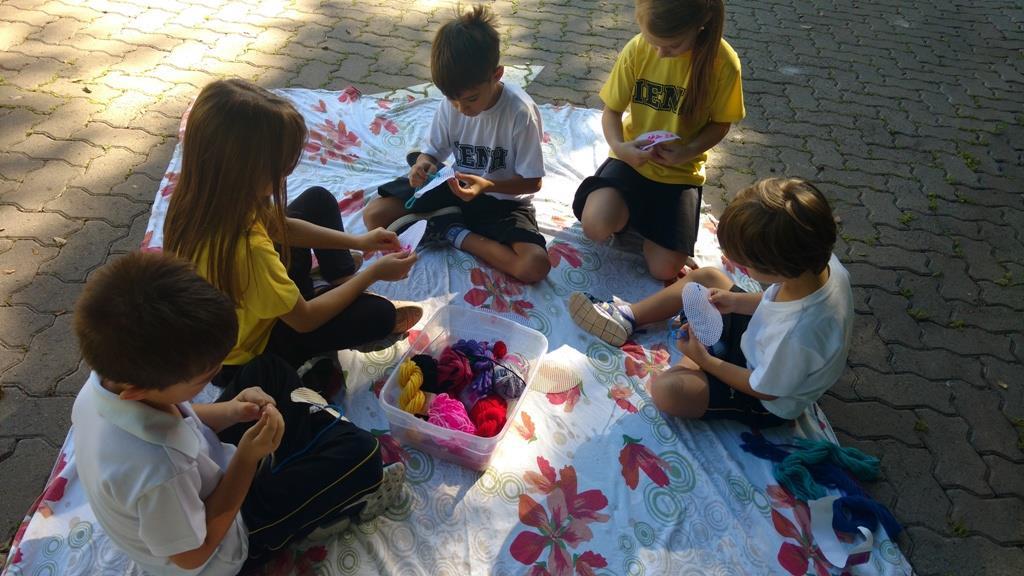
(449, 413)
(453, 371)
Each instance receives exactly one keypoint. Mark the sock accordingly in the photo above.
(456, 235)
(627, 312)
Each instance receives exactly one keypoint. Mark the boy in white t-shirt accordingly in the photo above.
(164, 476)
(493, 133)
(780, 350)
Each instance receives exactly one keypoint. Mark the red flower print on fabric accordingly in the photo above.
(642, 363)
(330, 141)
(496, 291)
(635, 457)
(558, 251)
(564, 524)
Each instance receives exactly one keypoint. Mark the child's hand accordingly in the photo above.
(630, 153)
(420, 172)
(249, 404)
(724, 300)
(263, 437)
(671, 153)
(391, 267)
(475, 185)
(379, 240)
(690, 346)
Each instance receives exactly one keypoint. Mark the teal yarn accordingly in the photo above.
(796, 472)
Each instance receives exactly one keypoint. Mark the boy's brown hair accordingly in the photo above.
(780, 226)
(465, 52)
(149, 320)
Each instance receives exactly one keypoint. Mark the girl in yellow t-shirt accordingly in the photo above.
(228, 216)
(677, 75)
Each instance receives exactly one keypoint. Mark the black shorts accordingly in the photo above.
(724, 401)
(666, 214)
(504, 221)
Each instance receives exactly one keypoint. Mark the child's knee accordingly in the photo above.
(533, 267)
(677, 392)
(596, 230)
(379, 213)
(664, 269)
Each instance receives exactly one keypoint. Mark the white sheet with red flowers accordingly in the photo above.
(589, 481)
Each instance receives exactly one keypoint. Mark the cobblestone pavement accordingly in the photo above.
(909, 115)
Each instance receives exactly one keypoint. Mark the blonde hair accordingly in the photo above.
(670, 19)
(239, 139)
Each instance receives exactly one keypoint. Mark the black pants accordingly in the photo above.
(368, 318)
(318, 487)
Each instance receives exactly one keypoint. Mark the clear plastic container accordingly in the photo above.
(447, 326)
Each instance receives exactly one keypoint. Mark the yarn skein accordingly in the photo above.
(453, 371)
(428, 366)
(410, 379)
(507, 383)
(447, 412)
(489, 415)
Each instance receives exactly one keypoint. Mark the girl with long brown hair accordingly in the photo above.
(228, 215)
(678, 75)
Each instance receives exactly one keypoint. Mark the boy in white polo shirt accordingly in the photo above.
(164, 487)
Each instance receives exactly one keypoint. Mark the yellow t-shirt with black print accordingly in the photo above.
(651, 90)
(267, 292)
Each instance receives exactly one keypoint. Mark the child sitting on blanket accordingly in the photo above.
(678, 75)
(494, 131)
(228, 216)
(162, 484)
(782, 349)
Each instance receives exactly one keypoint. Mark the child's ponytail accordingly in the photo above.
(702, 63)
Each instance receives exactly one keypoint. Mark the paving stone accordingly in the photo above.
(48, 295)
(22, 475)
(23, 416)
(909, 469)
(85, 250)
(105, 135)
(38, 225)
(43, 185)
(138, 187)
(77, 203)
(18, 124)
(43, 147)
(8, 358)
(905, 390)
(52, 354)
(67, 118)
(971, 556)
(966, 341)
(991, 430)
(895, 322)
(957, 463)
(1001, 519)
(24, 258)
(871, 420)
(135, 236)
(20, 324)
(71, 384)
(1004, 476)
(866, 347)
(108, 170)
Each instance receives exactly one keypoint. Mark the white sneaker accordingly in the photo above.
(602, 319)
(387, 494)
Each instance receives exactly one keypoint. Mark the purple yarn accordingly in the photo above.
(481, 359)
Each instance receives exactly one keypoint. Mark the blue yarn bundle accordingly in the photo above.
(849, 512)
(813, 465)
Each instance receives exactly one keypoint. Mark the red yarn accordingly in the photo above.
(500, 349)
(453, 371)
(488, 415)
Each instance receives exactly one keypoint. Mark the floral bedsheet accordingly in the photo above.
(590, 481)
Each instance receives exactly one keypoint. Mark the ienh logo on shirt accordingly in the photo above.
(664, 97)
(480, 157)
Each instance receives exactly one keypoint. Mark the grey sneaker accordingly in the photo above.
(387, 494)
(602, 319)
(438, 223)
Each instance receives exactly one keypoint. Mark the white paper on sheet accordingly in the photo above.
(436, 179)
(408, 240)
(656, 137)
(837, 553)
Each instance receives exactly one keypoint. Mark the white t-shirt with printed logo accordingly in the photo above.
(797, 350)
(500, 143)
